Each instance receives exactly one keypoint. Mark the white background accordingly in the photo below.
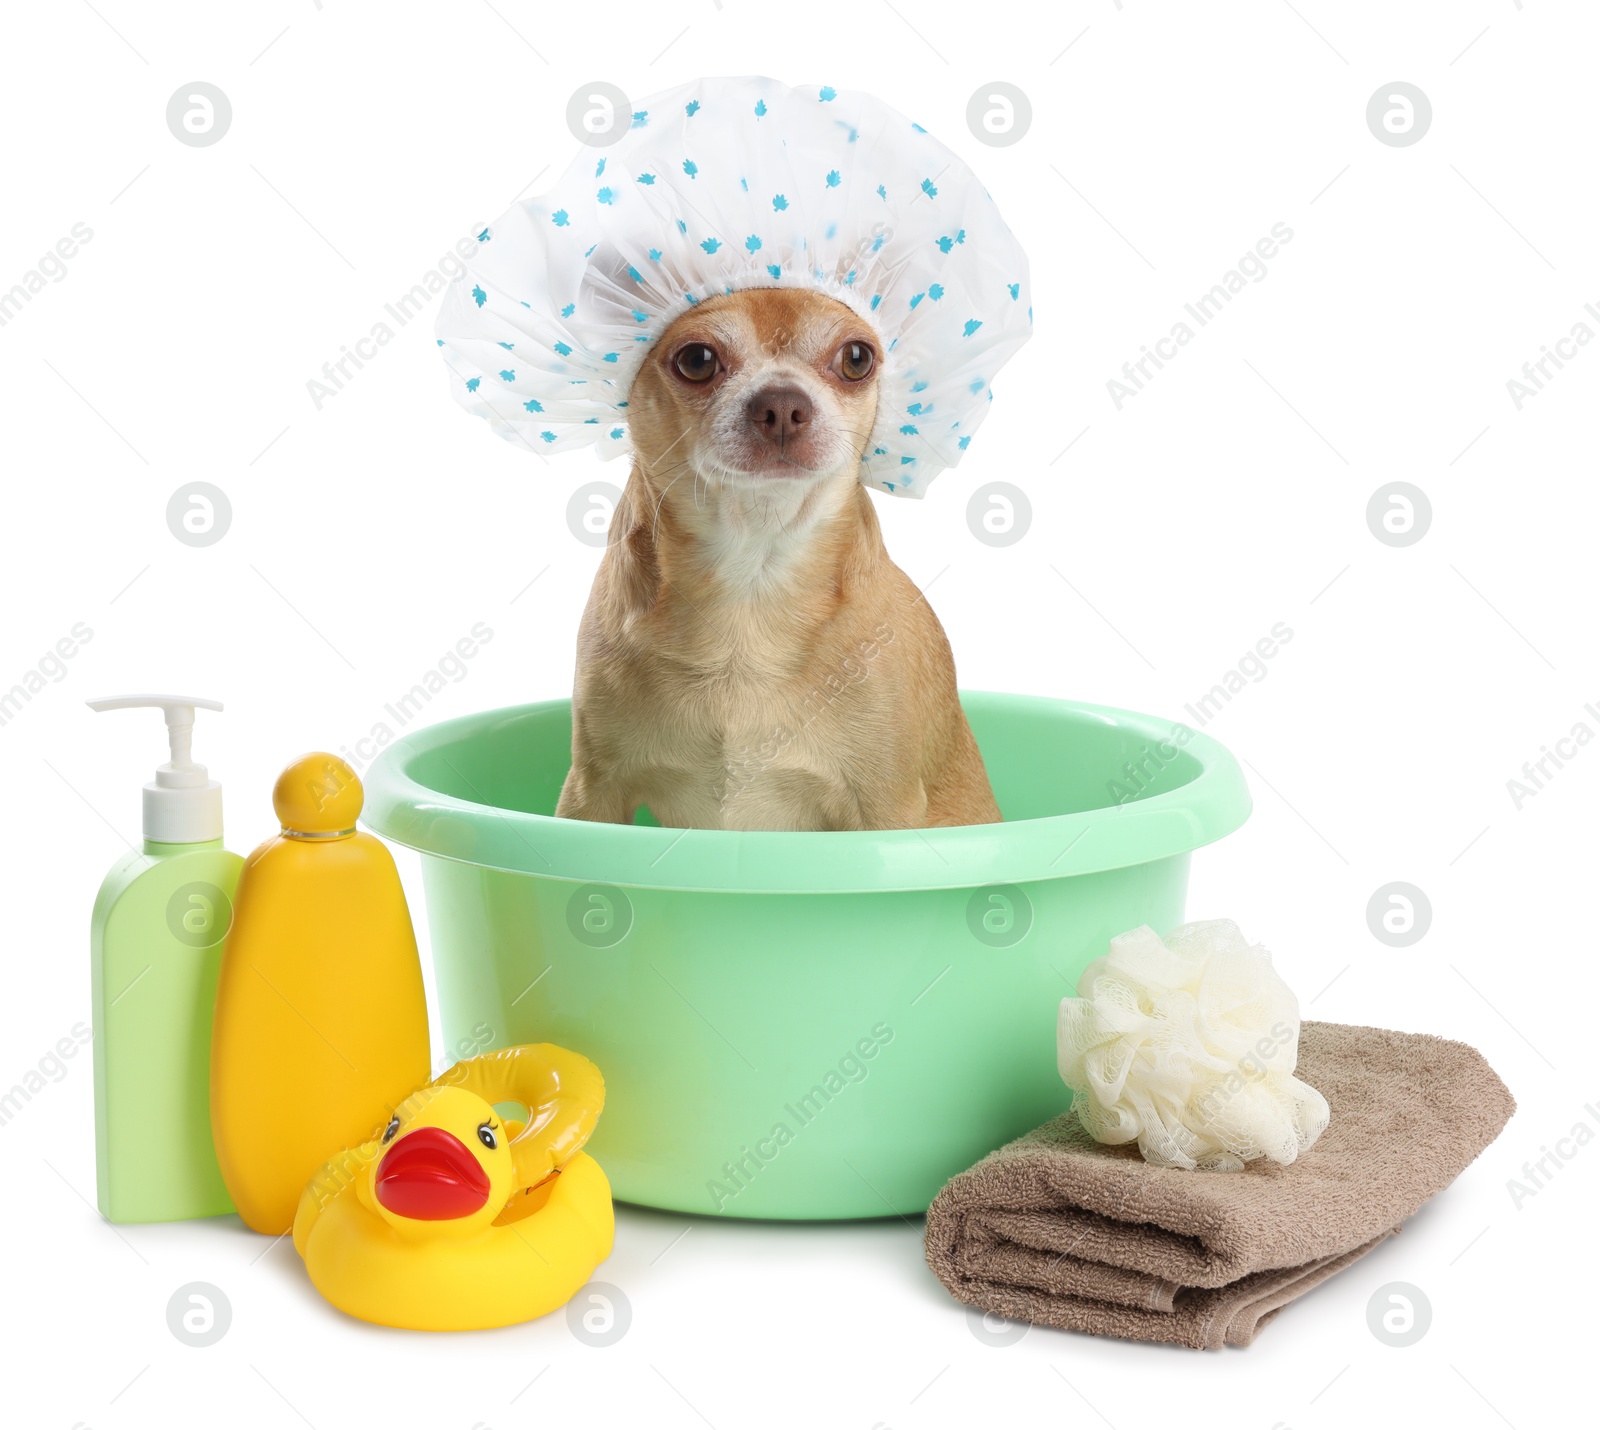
(1231, 494)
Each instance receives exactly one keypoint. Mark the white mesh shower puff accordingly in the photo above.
(1188, 1047)
(725, 184)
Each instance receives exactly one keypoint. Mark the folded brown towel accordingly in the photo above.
(1058, 1229)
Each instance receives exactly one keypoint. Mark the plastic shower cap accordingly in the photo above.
(726, 184)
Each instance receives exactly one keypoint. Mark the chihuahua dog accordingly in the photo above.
(750, 658)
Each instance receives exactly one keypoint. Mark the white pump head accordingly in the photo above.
(183, 804)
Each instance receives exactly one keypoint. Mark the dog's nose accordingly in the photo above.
(779, 413)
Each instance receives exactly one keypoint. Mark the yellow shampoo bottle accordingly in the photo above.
(321, 1025)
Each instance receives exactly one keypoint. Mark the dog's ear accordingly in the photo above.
(636, 571)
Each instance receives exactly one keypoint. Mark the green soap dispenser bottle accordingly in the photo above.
(155, 948)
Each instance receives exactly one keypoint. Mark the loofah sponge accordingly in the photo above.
(1188, 1046)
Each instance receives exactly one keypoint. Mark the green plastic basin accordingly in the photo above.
(799, 1025)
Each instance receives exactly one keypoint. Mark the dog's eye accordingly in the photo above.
(696, 363)
(855, 361)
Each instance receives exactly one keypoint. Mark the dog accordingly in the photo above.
(750, 657)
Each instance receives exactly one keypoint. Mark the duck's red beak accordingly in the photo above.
(431, 1175)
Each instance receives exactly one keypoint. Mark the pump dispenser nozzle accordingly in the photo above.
(183, 805)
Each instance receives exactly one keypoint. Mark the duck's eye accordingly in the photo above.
(695, 363)
(856, 361)
(391, 1129)
(486, 1135)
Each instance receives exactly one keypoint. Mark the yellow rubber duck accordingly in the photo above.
(455, 1218)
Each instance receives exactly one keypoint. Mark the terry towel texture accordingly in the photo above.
(1058, 1229)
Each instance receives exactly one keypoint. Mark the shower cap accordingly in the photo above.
(1188, 1046)
(726, 184)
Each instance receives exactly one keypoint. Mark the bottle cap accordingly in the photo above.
(318, 797)
(183, 804)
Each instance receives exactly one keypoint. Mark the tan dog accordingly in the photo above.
(750, 658)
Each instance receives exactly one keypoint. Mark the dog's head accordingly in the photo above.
(765, 393)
